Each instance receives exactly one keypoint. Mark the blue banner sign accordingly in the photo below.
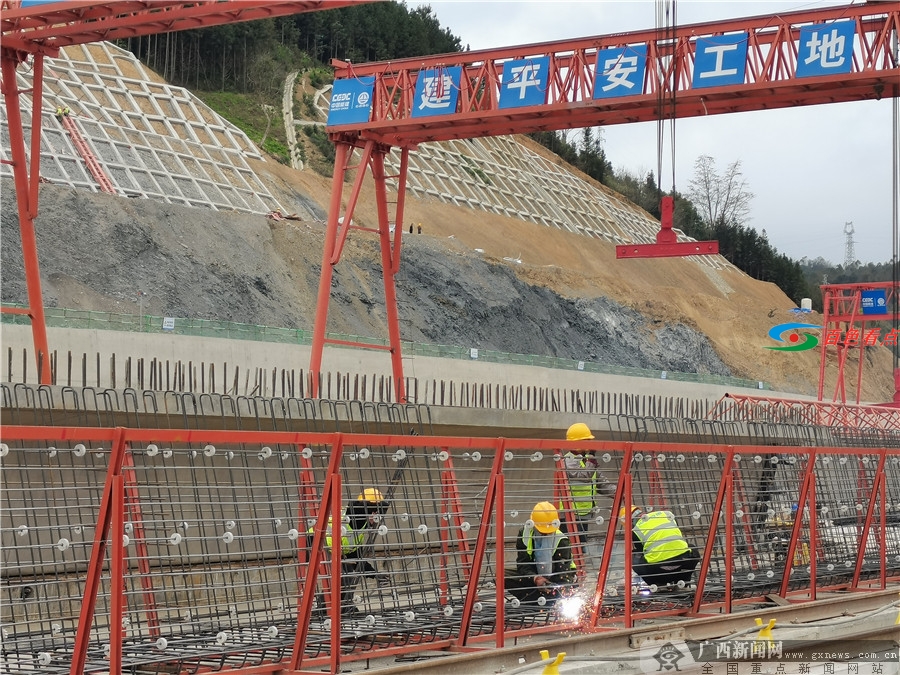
(874, 302)
(524, 82)
(825, 49)
(620, 71)
(720, 60)
(437, 92)
(351, 101)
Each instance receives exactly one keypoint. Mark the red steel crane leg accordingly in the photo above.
(27, 195)
(337, 229)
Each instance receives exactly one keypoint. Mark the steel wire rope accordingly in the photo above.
(666, 23)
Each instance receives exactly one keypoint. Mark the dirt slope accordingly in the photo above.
(567, 297)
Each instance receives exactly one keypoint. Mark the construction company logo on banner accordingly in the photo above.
(351, 101)
(873, 302)
(524, 82)
(809, 341)
(437, 91)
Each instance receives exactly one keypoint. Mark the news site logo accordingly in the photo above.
(787, 333)
(852, 337)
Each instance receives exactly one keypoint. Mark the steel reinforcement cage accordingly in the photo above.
(158, 550)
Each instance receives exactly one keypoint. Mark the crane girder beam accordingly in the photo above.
(770, 81)
(637, 109)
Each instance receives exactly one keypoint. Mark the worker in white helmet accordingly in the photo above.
(586, 483)
(361, 516)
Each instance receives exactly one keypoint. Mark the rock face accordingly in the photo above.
(96, 252)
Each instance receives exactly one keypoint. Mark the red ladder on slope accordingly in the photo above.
(84, 150)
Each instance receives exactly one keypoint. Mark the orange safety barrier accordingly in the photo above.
(241, 550)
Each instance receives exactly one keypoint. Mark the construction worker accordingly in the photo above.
(585, 482)
(660, 555)
(361, 516)
(544, 565)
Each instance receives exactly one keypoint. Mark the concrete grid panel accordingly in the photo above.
(202, 135)
(148, 159)
(145, 181)
(182, 130)
(213, 194)
(210, 169)
(166, 185)
(188, 189)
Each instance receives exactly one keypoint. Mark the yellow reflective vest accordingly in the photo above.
(660, 536)
(350, 539)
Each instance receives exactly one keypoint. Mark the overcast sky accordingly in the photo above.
(812, 169)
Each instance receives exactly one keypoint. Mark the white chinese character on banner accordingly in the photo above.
(524, 77)
(719, 51)
(436, 92)
(827, 49)
(617, 71)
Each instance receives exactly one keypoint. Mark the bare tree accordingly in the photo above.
(719, 198)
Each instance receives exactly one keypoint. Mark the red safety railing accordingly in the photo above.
(218, 549)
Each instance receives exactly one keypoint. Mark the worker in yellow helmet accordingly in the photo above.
(544, 565)
(585, 482)
(361, 517)
(660, 554)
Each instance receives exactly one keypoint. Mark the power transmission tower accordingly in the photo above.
(849, 252)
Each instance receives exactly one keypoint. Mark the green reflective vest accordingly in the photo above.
(528, 538)
(582, 492)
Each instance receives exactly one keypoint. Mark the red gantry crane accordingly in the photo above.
(799, 58)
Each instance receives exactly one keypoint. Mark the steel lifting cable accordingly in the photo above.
(667, 75)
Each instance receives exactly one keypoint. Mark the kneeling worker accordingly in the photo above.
(544, 565)
(362, 516)
(660, 554)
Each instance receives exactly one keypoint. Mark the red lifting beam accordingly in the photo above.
(106, 185)
(667, 244)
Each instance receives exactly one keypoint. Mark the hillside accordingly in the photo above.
(568, 297)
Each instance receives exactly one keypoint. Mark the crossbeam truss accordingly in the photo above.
(771, 81)
(773, 45)
(206, 550)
